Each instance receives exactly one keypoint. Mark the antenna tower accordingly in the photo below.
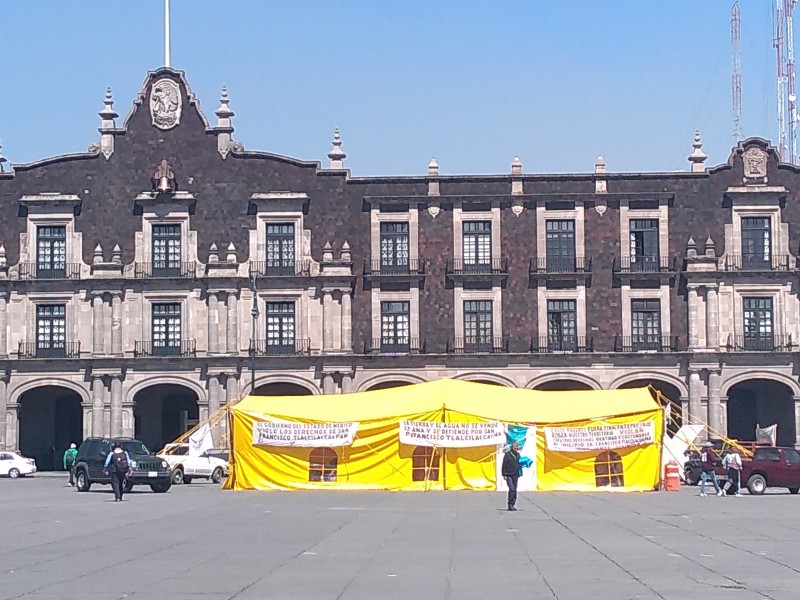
(780, 24)
(790, 89)
(736, 76)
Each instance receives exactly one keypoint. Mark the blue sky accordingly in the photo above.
(471, 83)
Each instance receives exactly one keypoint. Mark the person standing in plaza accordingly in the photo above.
(118, 467)
(510, 471)
(708, 460)
(733, 465)
(70, 457)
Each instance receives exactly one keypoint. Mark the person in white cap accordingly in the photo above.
(70, 458)
(708, 460)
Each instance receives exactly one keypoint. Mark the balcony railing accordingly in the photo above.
(263, 268)
(478, 345)
(761, 343)
(495, 266)
(646, 343)
(149, 270)
(179, 349)
(757, 263)
(49, 350)
(62, 271)
(645, 264)
(555, 265)
(278, 347)
(394, 346)
(567, 343)
(412, 267)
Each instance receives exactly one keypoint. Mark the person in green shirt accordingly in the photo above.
(70, 458)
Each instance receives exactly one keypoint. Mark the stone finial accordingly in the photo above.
(600, 165)
(116, 255)
(224, 125)
(516, 166)
(345, 256)
(213, 253)
(691, 248)
(516, 177)
(97, 257)
(600, 184)
(337, 155)
(327, 253)
(231, 255)
(107, 125)
(711, 251)
(433, 168)
(3, 256)
(3, 159)
(698, 157)
(433, 173)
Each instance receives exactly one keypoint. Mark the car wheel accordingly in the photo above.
(757, 485)
(13, 473)
(794, 490)
(177, 476)
(160, 488)
(82, 482)
(691, 477)
(216, 476)
(187, 479)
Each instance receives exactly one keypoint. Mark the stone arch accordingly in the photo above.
(579, 377)
(164, 408)
(669, 392)
(788, 381)
(389, 378)
(760, 401)
(50, 381)
(311, 386)
(676, 382)
(196, 387)
(484, 377)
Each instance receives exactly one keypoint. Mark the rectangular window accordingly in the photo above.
(560, 246)
(395, 327)
(561, 326)
(167, 250)
(166, 329)
(280, 249)
(477, 246)
(51, 330)
(756, 251)
(394, 248)
(646, 325)
(758, 333)
(51, 251)
(478, 335)
(280, 328)
(644, 244)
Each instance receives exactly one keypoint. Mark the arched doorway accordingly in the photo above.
(671, 395)
(282, 388)
(387, 385)
(163, 412)
(562, 385)
(50, 419)
(763, 402)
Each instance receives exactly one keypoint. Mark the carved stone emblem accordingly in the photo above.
(755, 164)
(165, 104)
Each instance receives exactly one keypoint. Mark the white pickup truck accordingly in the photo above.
(185, 468)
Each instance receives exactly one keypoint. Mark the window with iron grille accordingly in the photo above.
(51, 327)
(644, 244)
(323, 465)
(51, 250)
(425, 464)
(167, 249)
(477, 243)
(609, 470)
(646, 324)
(560, 245)
(395, 324)
(478, 323)
(561, 325)
(280, 325)
(757, 322)
(167, 326)
(280, 248)
(756, 240)
(394, 246)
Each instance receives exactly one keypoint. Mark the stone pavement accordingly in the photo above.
(202, 543)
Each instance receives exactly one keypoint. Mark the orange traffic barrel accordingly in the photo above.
(672, 477)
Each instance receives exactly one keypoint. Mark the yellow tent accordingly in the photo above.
(447, 434)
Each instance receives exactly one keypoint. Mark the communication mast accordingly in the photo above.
(780, 24)
(736, 76)
(790, 89)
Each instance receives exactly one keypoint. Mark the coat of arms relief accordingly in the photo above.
(165, 104)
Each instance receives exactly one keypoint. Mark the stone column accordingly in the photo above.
(796, 419)
(97, 324)
(116, 405)
(695, 394)
(693, 333)
(347, 323)
(88, 419)
(214, 394)
(128, 420)
(3, 327)
(213, 323)
(328, 384)
(231, 389)
(327, 321)
(12, 425)
(714, 407)
(347, 383)
(712, 319)
(116, 323)
(233, 324)
(98, 392)
(3, 417)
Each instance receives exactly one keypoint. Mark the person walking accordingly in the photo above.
(511, 470)
(70, 458)
(118, 466)
(708, 460)
(733, 465)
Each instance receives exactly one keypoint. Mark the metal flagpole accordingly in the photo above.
(166, 33)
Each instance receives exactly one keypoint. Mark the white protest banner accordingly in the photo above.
(308, 435)
(600, 437)
(451, 435)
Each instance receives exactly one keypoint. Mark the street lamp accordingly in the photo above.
(253, 341)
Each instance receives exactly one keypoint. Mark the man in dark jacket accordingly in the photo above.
(511, 470)
(708, 460)
(118, 467)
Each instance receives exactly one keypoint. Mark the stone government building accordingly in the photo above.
(126, 280)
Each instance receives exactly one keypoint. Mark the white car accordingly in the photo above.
(185, 468)
(14, 465)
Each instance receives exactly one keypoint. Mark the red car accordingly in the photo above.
(772, 467)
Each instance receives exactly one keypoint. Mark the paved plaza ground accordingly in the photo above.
(203, 543)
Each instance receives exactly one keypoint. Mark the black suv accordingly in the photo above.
(147, 468)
